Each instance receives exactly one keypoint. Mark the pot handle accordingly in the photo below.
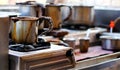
(69, 15)
(50, 22)
(10, 24)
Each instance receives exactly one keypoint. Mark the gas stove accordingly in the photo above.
(77, 26)
(41, 44)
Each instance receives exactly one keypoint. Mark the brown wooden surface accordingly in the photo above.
(4, 27)
(108, 65)
(92, 62)
(47, 59)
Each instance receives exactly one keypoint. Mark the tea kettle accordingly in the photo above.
(24, 29)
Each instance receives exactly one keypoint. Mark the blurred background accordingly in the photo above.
(104, 3)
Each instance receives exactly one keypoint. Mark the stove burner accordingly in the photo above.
(77, 26)
(29, 47)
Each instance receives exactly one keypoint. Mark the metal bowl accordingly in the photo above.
(111, 42)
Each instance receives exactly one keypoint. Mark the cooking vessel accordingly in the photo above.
(25, 29)
(55, 11)
(31, 8)
(82, 15)
(110, 41)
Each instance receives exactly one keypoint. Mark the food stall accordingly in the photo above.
(61, 36)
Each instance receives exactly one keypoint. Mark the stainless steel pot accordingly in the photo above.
(54, 11)
(82, 15)
(111, 41)
(31, 8)
(25, 29)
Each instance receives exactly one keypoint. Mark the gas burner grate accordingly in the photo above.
(29, 47)
(77, 26)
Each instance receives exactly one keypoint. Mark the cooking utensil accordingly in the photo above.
(87, 34)
(110, 41)
(82, 15)
(31, 8)
(70, 42)
(84, 44)
(54, 11)
(25, 29)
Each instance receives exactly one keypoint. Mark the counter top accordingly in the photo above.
(53, 58)
(57, 50)
(97, 61)
(52, 50)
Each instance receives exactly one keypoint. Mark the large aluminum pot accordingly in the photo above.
(82, 15)
(25, 29)
(110, 41)
(54, 11)
(31, 8)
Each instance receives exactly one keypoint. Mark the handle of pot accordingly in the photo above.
(10, 27)
(69, 15)
(50, 22)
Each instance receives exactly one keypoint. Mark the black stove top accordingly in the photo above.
(41, 44)
(77, 26)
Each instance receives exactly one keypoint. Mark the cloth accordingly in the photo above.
(92, 52)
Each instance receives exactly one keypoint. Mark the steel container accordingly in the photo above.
(25, 29)
(111, 41)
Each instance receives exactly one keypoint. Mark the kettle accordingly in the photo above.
(55, 11)
(24, 29)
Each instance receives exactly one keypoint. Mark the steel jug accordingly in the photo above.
(24, 29)
(54, 11)
(82, 15)
(31, 8)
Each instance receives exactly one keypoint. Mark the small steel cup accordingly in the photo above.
(70, 42)
(84, 44)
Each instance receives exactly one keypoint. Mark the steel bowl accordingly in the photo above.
(111, 42)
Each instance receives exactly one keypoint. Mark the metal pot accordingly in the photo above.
(54, 11)
(82, 15)
(25, 29)
(31, 8)
(111, 41)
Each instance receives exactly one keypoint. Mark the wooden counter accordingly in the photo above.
(98, 62)
(57, 57)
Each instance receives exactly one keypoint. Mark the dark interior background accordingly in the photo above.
(104, 16)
